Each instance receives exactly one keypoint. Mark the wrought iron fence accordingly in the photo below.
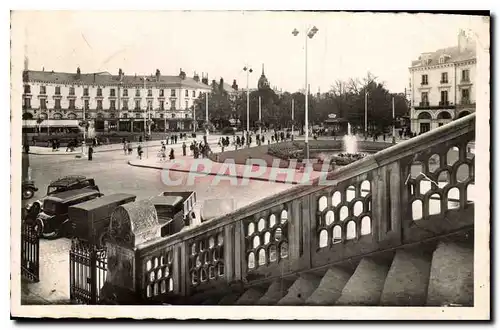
(30, 253)
(88, 270)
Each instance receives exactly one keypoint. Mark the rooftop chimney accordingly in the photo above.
(235, 85)
(158, 75)
(182, 74)
(204, 79)
(78, 73)
(196, 77)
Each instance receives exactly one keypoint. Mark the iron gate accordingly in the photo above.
(87, 271)
(30, 253)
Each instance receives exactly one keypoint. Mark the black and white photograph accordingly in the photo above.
(241, 164)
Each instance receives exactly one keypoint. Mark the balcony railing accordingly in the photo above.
(423, 104)
(444, 103)
(443, 82)
(384, 201)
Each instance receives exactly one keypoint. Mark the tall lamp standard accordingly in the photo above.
(309, 33)
(248, 71)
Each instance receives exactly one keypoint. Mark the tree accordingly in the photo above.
(219, 106)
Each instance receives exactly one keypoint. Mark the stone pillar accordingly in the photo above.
(131, 224)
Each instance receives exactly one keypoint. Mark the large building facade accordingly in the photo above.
(111, 102)
(442, 85)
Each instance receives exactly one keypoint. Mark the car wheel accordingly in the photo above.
(52, 235)
(28, 193)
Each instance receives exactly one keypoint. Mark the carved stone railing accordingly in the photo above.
(418, 189)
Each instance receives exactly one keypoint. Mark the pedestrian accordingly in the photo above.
(184, 149)
(124, 147)
(139, 151)
(129, 147)
(171, 156)
(91, 151)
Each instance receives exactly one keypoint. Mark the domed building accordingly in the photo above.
(263, 83)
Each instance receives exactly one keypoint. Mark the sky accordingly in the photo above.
(347, 45)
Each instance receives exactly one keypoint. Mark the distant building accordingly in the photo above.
(110, 102)
(442, 85)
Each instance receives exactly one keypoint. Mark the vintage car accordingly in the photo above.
(174, 210)
(89, 221)
(53, 221)
(66, 183)
(28, 189)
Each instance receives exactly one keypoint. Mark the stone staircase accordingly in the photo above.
(440, 275)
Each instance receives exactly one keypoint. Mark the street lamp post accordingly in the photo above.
(206, 112)
(248, 71)
(293, 110)
(260, 116)
(309, 33)
(366, 113)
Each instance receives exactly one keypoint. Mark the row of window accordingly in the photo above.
(465, 99)
(444, 77)
(112, 104)
(111, 115)
(112, 92)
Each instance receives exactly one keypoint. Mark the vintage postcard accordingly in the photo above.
(250, 165)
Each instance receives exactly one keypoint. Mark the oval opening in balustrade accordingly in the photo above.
(162, 260)
(434, 163)
(471, 193)
(163, 286)
(277, 234)
(211, 272)
(471, 149)
(330, 217)
(267, 237)
(365, 188)
(261, 225)
(323, 238)
(156, 262)
(337, 234)
(344, 213)
(272, 218)
(351, 230)
(434, 204)
(155, 289)
(198, 261)
(220, 269)
(453, 198)
(424, 186)
(251, 260)
(284, 250)
(170, 285)
(463, 173)
(148, 291)
(272, 221)
(350, 193)
(322, 203)
(256, 241)
(203, 275)
(251, 228)
(416, 169)
(202, 245)
(272, 253)
(452, 156)
(443, 179)
(194, 278)
(262, 257)
(336, 198)
(211, 242)
(193, 249)
(416, 208)
(159, 274)
(220, 239)
(366, 226)
(167, 271)
(152, 277)
(358, 208)
(148, 265)
(206, 257)
(284, 216)
(216, 254)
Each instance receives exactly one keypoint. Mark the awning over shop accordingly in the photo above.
(51, 123)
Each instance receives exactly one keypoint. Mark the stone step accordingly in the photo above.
(300, 290)
(250, 297)
(330, 287)
(275, 292)
(452, 276)
(408, 279)
(365, 285)
(229, 299)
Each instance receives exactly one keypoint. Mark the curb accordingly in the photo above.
(239, 176)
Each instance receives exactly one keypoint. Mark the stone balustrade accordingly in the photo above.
(416, 190)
